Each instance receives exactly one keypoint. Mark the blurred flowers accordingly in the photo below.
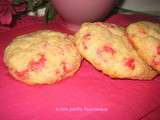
(10, 9)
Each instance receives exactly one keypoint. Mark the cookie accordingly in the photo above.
(106, 47)
(42, 57)
(145, 37)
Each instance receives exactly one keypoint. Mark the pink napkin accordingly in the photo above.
(88, 95)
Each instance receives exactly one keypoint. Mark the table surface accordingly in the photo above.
(88, 95)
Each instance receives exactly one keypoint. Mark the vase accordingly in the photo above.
(76, 12)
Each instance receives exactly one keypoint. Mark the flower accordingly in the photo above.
(8, 10)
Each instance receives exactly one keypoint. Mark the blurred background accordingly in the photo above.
(146, 6)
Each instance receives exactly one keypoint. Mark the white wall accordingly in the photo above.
(150, 6)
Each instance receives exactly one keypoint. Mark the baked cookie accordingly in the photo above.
(42, 57)
(105, 46)
(145, 37)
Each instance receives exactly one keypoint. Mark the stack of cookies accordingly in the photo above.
(106, 47)
(46, 56)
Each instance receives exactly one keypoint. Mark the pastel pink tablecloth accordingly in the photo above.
(88, 95)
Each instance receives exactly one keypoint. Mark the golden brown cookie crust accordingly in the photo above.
(42, 57)
(106, 47)
(145, 37)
